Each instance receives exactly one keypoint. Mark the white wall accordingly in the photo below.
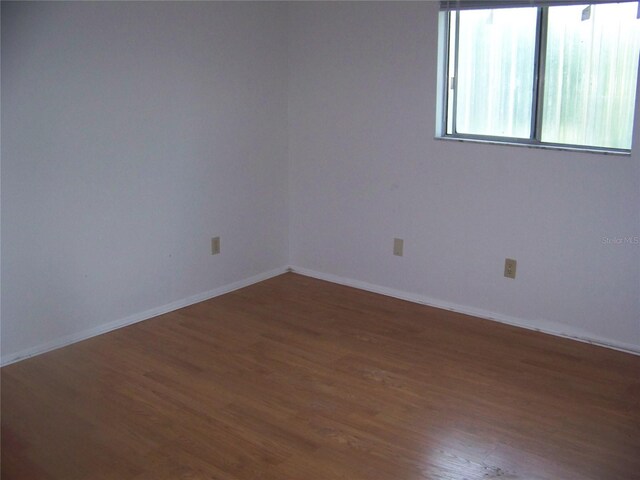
(364, 168)
(132, 132)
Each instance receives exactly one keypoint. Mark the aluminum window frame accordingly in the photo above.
(538, 85)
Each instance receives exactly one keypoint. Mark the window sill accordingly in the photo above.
(564, 148)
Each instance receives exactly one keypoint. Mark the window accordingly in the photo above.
(555, 73)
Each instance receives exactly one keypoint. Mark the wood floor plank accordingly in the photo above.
(295, 378)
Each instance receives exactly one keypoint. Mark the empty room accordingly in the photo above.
(320, 240)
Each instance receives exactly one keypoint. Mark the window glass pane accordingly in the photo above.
(590, 77)
(496, 57)
(450, 70)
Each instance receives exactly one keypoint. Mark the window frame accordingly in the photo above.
(538, 84)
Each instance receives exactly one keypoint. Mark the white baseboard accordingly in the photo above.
(138, 317)
(551, 328)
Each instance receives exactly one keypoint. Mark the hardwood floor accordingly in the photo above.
(295, 378)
